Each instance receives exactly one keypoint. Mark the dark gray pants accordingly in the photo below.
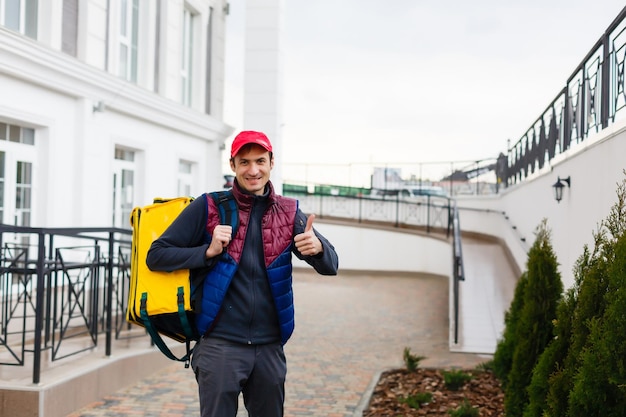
(224, 370)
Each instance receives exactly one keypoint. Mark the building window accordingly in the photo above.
(123, 186)
(2, 183)
(157, 46)
(185, 178)
(124, 155)
(209, 43)
(129, 25)
(186, 72)
(69, 31)
(17, 164)
(184, 167)
(23, 192)
(20, 16)
(18, 134)
(18, 157)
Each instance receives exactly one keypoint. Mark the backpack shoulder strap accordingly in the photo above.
(227, 207)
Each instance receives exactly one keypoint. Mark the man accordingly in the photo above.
(246, 311)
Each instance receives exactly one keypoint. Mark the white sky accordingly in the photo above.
(405, 81)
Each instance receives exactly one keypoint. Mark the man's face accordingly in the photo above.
(252, 166)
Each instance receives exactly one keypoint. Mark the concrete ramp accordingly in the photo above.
(484, 296)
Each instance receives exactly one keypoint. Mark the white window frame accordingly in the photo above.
(16, 153)
(22, 24)
(188, 27)
(128, 39)
(186, 170)
(123, 196)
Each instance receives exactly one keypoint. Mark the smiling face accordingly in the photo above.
(252, 166)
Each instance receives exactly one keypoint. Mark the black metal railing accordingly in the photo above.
(458, 271)
(593, 97)
(426, 212)
(57, 285)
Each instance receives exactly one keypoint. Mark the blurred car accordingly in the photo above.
(410, 193)
(229, 181)
(422, 190)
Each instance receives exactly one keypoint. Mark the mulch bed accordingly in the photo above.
(483, 391)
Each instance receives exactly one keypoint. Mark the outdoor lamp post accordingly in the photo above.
(558, 188)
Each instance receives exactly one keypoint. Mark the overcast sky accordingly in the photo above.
(369, 81)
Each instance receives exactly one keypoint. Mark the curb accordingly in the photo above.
(367, 395)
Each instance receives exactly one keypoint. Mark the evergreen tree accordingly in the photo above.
(573, 329)
(588, 304)
(551, 361)
(599, 385)
(535, 327)
(503, 356)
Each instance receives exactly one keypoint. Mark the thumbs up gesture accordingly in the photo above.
(307, 243)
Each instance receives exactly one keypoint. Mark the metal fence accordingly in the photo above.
(61, 284)
(427, 212)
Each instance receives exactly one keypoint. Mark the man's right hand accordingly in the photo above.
(220, 239)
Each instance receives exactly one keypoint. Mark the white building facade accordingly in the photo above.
(106, 104)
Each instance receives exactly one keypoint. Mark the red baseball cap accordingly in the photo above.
(250, 136)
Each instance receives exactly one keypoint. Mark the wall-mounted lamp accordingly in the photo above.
(558, 187)
(98, 107)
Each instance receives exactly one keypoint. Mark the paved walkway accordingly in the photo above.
(349, 328)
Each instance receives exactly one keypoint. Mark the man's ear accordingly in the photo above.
(232, 164)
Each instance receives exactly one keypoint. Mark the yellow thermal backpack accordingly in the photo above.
(161, 301)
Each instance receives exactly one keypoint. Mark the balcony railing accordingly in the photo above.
(61, 284)
(426, 212)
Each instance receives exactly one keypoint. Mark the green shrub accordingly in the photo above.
(411, 361)
(581, 373)
(584, 303)
(557, 395)
(464, 410)
(545, 377)
(455, 379)
(485, 366)
(417, 400)
(535, 324)
(591, 298)
(590, 306)
(503, 356)
(600, 384)
(565, 363)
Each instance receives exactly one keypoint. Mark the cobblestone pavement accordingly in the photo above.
(349, 328)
